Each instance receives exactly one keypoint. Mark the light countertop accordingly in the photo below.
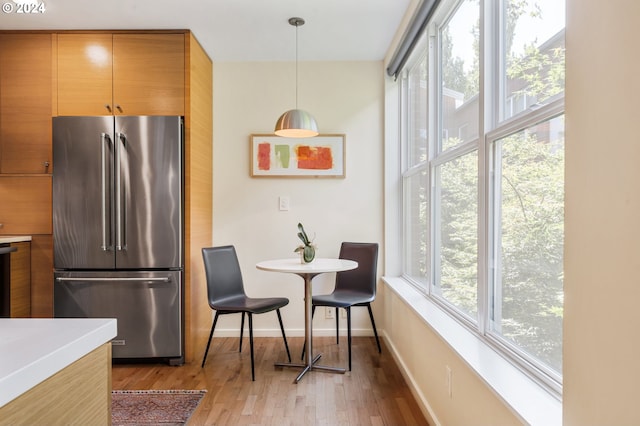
(15, 239)
(34, 349)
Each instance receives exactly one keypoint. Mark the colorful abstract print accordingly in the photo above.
(305, 157)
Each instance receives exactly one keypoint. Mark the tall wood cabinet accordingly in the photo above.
(26, 84)
(103, 73)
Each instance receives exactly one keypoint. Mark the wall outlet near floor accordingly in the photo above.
(329, 313)
(343, 313)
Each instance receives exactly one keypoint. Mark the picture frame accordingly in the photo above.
(322, 156)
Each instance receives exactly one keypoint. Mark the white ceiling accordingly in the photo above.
(238, 30)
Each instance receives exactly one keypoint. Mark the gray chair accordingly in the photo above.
(356, 287)
(226, 295)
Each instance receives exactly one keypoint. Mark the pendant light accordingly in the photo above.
(296, 123)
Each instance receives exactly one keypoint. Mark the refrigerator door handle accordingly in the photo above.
(121, 243)
(106, 279)
(106, 240)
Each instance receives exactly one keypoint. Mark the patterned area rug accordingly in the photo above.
(153, 407)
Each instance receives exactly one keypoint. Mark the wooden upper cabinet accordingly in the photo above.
(121, 74)
(85, 63)
(25, 103)
(148, 74)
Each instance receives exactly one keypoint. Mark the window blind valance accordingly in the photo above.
(411, 36)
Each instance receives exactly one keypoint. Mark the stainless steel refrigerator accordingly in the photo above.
(118, 229)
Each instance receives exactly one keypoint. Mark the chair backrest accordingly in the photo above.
(224, 278)
(363, 279)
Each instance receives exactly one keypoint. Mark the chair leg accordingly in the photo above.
(304, 345)
(241, 332)
(373, 323)
(348, 308)
(337, 327)
(286, 345)
(213, 327)
(253, 374)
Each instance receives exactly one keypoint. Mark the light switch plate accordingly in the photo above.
(284, 204)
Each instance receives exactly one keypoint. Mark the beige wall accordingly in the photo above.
(602, 284)
(344, 97)
(425, 356)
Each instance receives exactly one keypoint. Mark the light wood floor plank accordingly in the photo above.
(374, 393)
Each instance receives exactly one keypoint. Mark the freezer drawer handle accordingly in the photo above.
(7, 250)
(163, 280)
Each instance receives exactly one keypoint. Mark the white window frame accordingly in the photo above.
(490, 130)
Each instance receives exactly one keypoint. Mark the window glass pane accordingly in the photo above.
(459, 40)
(416, 236)
(529, 226)
(532, 53)
(456, 233)
(417, 91)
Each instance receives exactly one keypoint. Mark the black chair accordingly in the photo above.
(356, 287)
(226, 294)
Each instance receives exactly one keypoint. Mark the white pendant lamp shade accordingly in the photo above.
(296, 123)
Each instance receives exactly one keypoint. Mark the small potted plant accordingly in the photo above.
(307, 250)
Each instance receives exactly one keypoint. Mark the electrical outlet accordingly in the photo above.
(343, 313)
(329, 312)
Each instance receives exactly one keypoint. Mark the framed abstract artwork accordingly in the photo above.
(317, 157)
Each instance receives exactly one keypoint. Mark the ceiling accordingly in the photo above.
(237, 30)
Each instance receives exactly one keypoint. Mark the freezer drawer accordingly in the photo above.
(147, 306)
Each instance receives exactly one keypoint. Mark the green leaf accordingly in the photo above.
(302, 234)
(304, 240)
(308, 254)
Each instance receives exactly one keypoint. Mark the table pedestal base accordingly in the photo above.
(307, 272)
(312, 366)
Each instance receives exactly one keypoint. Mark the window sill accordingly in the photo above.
(533, 404)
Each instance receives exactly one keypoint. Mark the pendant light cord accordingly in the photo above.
(296, 22)
(297, 25)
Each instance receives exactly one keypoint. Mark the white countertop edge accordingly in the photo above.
(85, 336)
(15, 239)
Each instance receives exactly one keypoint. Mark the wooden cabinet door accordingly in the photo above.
(148, 74)
(26, 205)
(85, 64)
(25, 103)
(20, 281)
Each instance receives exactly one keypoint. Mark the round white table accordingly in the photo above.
(307, 271)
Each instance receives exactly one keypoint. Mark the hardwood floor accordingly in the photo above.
(373, 393)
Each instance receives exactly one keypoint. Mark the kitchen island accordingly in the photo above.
(55, 371)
